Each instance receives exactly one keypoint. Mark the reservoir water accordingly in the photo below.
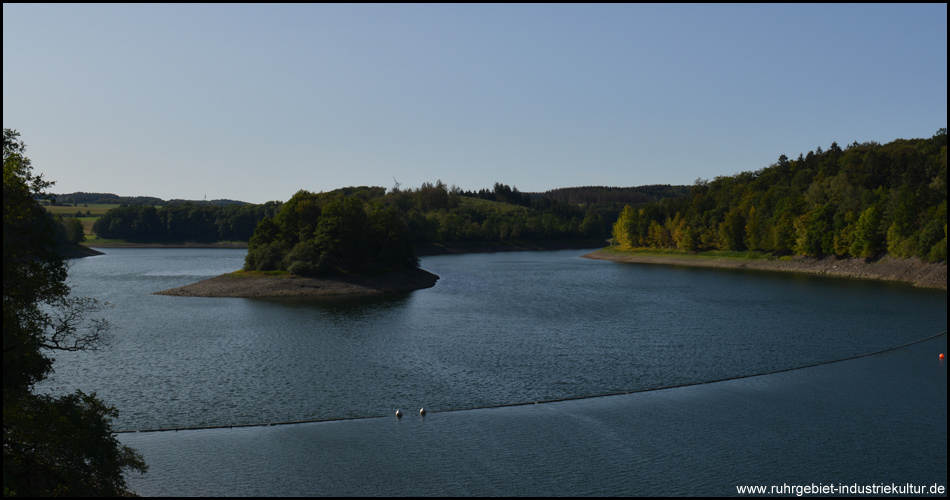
(513, 328)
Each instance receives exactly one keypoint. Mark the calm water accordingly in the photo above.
(880, 419)
(497, 329)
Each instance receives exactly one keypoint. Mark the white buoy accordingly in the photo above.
(422, 411)
(398, 414)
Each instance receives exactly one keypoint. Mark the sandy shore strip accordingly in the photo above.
(919, 273)
(288, 285)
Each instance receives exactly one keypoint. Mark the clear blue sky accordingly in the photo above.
(254, 102)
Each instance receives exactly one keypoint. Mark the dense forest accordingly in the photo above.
(437, 214)
(859, 201)
(607, 196)
(183, 222)
(365, 228)
(325, 233)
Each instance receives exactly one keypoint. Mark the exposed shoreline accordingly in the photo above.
(289, 285)
(915, 271)
(224, 244)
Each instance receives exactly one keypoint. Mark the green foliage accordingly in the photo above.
(813, 232)
(51, 446)
(753, 230)
(625, 228)
(592, 225)
(858, 201)
(732, 231)
(867, 235)
(932, 235)
(72, 230)
(938, 253)
(182, 222)
(341, 236)
(330, 233)
(433, 213)
(63, 446)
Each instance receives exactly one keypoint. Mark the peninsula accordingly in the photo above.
(322, 245)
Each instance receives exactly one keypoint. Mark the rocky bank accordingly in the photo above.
(288, 285)
(920, 273)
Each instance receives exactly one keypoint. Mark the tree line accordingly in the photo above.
(183, 222)
(605, 195)
(84, 198)
(860, 201)
(436, 213)
(432, 213)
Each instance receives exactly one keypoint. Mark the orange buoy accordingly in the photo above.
(941, 355)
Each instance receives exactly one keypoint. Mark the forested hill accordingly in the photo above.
(83, 198)
(433, 213)
(860, 201)
(605, 195)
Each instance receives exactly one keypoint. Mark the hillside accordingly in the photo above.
(864, 200)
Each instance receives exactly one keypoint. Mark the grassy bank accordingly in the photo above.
(714, 254)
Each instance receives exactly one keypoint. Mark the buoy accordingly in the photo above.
(941, 355)
(398, 414)
(422, 411)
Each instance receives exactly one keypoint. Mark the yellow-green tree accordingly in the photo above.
(625, 227)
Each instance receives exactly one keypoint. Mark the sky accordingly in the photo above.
(256, 102)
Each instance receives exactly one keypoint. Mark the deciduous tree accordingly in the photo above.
(61, 446)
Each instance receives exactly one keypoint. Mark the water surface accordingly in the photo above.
(496, 329)
(869, 421)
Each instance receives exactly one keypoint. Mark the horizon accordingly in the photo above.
(256, 102)
(388, 190)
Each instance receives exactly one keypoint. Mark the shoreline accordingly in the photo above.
(79, 251)
(290, 285)
(227, 244)
(914, 271)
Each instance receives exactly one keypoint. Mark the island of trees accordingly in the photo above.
(330, 233)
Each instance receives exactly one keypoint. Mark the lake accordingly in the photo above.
(507, 329)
